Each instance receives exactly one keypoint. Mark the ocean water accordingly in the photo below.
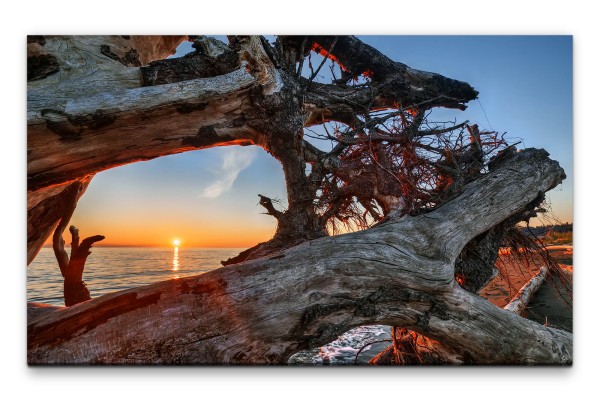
(113, 269)
(368, 340)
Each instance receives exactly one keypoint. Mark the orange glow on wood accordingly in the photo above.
(413, 111)
(317, 48)
(323, 52)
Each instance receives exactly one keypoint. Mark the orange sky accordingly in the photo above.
(204, 198)
(162, 232)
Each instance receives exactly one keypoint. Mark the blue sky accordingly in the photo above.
(525, 86)
(525, 89)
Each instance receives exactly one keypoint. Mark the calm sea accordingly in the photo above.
(113, 269)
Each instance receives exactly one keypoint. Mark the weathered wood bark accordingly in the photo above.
(399, 273)
(75, 290)
(107, 118)
(475, 266)
(45, 208)
(411, 348)
(37, 309)
(61, 207)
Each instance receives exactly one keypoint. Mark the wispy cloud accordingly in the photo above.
(234, 162)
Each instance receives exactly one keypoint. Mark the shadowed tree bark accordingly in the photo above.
(435, 199)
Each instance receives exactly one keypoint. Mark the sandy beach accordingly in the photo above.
(548, 305)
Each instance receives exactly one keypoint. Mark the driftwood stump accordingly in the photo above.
(75, 290)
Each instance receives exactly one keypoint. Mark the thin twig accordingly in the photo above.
(324, 60)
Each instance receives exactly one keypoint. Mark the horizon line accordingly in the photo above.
(153, 246)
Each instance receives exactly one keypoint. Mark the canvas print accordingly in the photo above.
(299, 200)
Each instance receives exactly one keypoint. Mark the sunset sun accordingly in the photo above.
(176, 242)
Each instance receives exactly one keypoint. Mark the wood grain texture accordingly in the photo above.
(45, 208)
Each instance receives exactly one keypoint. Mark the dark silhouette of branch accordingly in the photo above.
(75, 291)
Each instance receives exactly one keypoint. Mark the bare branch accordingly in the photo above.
(301, 63)
(58, 243)
(74, 239)
(267, 203)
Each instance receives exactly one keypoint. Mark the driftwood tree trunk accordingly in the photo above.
(71, 268)
(523, 297)
(398, 273)
(411, 348)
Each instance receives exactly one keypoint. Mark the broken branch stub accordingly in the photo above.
(74, 289)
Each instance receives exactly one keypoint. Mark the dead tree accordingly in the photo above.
(302, 288)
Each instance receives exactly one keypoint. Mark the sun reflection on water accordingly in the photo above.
(176, 259)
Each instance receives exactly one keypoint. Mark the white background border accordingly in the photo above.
(276, 17)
